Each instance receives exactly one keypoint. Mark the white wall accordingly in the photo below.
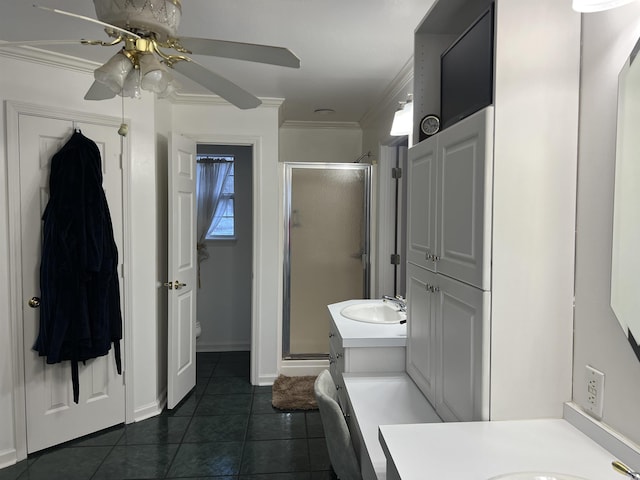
(318, 142)
(534, 190)
(215, 122)
(607, 38)
(224, 295)
(63, 88)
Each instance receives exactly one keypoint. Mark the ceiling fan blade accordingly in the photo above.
(241, 51)
(98, 91)
(89, 19)
(217, 84)
(35, 43)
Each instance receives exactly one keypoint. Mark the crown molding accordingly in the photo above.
(316, 124)
(48, 58)
(389, 97)
(211, 99)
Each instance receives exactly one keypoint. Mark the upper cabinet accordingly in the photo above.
(493, 206)
(450, 182)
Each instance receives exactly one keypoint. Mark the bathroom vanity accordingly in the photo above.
(484, 450)
(358, 346)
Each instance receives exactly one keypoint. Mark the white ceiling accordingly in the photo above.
(350, 50)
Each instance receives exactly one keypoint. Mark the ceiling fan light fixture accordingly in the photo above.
(589, 6)
(131, 87)
(114, 72)
(154, 76)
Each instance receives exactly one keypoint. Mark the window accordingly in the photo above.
(222, 225)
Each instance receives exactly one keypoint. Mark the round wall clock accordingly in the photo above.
(430, 125)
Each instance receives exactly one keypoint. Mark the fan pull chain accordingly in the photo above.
(124, 128)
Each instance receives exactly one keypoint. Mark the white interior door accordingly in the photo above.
(182, 269)
(52, 416)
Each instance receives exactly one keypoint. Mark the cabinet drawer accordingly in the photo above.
(336, 368)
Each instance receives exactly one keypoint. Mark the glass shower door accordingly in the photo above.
(327, 249)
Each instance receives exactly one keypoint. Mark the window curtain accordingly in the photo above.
(211, 174)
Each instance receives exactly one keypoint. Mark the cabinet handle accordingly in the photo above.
(338, 355)
(431, 256)
(338, 387)
(331, 334)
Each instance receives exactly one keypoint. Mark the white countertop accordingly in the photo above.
(481, 450)
(385, 399)
(362, 334)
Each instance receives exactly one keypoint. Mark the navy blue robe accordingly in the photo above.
(80, 313)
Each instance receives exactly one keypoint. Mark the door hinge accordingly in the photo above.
(395, 259)
(396, 172)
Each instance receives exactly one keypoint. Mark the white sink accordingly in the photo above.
(374, 312)
(536, 476)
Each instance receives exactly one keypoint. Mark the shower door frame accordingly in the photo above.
(365, 254)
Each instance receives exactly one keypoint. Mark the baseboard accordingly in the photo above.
(222, 347)
(151, 409)
(298, 368)
(620, 446)
(266, 380)
(8, 457)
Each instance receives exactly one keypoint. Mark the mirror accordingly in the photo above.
(625, 256)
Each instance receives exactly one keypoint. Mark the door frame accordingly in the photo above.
(256, 173)
(13, 111)
(386, 215)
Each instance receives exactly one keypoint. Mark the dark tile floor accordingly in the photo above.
(226, 429)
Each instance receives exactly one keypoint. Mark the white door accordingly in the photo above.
(182, 269)
(52, 416)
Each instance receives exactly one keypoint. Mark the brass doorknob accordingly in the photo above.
(178, 285)
(169, 285)
(34, 302)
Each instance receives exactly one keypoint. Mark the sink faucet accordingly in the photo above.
(397, 300)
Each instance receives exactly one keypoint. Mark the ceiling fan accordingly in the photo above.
(148, 28)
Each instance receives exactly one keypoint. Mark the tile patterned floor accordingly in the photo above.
(226, 429)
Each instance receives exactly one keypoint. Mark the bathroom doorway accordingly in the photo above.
(224, 306)
(327, 243)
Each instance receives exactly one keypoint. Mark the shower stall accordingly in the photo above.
(327, 210)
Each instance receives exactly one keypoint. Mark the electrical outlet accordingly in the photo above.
(595, 391)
